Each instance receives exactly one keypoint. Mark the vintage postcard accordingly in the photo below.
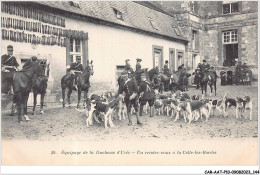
(129, 82)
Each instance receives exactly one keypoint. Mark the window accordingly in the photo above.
(158, 57)
(229, 37)
(118, 14)
(194, 39)
(74, 4)
(75, 50)
(176, 30)
(153, 24)
(230, 7)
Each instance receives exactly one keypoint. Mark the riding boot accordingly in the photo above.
(129, 118)
(141, 111)
(137, 118)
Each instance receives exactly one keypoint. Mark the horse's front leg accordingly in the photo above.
(25, 105)
(85, 99)
(69, 93)
(215, 86)
(79, 96)
(42, 102)
(63, 97)
(34, 101)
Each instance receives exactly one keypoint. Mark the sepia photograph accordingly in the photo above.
(129, 82)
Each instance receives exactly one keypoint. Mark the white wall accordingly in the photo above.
(109, 47)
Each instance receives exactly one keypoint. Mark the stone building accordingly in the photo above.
(222, 32)
(105, 32)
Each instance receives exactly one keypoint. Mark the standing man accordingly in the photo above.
(75, 69)
(238, 72)
(146, 94)
(131, 98)
(9, 65)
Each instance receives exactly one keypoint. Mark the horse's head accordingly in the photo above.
(89, 68)
(44, 68)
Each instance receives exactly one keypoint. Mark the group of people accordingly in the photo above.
(240, 69)
(134, 94)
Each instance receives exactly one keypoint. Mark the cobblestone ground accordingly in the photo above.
(68, 124)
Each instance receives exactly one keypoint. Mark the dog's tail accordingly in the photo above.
(224, 97)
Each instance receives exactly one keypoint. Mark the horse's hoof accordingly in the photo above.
(12, 114)
(42, 112)
(34, 113)
(26, 118)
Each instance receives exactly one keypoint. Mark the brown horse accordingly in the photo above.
(83, 84)
(22, 85)
(40, 85)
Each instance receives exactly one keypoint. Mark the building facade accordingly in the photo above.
(105, 32)
(222, 32)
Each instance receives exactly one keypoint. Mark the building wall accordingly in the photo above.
(110, 46)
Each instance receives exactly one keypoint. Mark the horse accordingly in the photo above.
(138, 75)
(82, 84)
(22, 84)
(179, 80)
(152, 73)
(208, 78)
(40, 85)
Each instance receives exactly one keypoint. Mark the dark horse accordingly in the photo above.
(40, 85)
(208, 78)
(82, 84)
(179, 80)
(22, 85)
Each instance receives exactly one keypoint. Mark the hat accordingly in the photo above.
(34, 58)
(138, 59)
(143, 75)
(204, 61)
(10, 47)
(166, 61)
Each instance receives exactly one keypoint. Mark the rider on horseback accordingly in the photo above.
(166, 69)
(9, 64)
(75, 69)
(129, 68)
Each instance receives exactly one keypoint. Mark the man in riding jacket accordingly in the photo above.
(166, 69)
(75, 69)
(146, 94)
(138, 64)
(128, 67)
(131, 98)
(10, 65)
(204, 67)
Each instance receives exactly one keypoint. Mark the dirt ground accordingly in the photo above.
(68, 124)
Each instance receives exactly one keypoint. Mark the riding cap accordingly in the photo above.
(204, 61)
(10, 47)
(138, 60)
(34, 58)
(166, 61)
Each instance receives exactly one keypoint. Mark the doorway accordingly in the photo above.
(230, 54)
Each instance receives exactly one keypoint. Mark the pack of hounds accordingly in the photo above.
(109, 106)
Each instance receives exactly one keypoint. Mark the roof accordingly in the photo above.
(135, 15)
